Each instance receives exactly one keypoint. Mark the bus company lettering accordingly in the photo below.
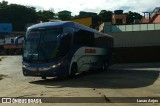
(90, 50)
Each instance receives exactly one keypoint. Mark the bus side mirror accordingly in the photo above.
(16, 40)
(59, 39)
(60, 36)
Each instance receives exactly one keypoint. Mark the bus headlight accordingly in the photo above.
(56, 65)
(23, 66)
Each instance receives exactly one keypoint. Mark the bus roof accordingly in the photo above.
(49, 25)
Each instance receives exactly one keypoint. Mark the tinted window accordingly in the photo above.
(41, 45)
(83, 37)
(65, 45)
(68, 30)
(50, 35)
(103, 41)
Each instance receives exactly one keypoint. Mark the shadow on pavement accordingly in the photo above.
(114, 78)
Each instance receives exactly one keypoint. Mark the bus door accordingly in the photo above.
(63, 50)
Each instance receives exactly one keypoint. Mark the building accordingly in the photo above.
(134, 42)
(84, 21)
(64, 15)
(145, 20)
(65, 12)
(155, 15)
(118, 17)
(83, 14)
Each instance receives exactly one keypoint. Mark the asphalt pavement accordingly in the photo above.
(121, 80)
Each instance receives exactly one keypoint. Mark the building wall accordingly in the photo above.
(136, 38)
(157, 19)
(122, 17)
(134, 35)
(136, 54)
(134, 43)
(138, 46)
(106, 28)
(84, 21)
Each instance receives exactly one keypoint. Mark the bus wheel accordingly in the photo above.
(73, 70)
(43, 77)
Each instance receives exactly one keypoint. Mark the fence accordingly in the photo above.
(134, 27)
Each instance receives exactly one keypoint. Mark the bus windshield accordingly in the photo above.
(41, 45)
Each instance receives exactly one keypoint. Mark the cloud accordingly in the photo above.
(91, 5)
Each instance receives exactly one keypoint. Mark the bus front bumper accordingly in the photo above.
(47, 70)
(48, 73)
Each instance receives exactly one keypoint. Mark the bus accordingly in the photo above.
(64, 49)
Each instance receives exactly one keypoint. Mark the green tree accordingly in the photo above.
(45, 15)
(105, 16)
(3, 4)
(64, 15)
(131, 16)
(18, 15)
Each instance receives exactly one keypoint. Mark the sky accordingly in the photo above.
(75, 6)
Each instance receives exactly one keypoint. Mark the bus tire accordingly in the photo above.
(44, 77)
(74, 69)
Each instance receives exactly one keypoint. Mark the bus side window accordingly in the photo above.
(65, 45)
(84, 38)
(104, 42)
